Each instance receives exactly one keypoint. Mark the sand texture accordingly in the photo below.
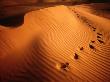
(57, 44)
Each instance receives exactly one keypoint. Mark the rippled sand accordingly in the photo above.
(50, 37)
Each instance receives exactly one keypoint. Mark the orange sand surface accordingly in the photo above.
(50, 37)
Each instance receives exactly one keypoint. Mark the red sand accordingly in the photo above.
(34, 51)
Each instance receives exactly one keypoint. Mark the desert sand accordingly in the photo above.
(57, 44)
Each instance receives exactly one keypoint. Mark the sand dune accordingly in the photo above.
(43, 48)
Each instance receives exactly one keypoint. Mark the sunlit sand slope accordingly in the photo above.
(57, 44)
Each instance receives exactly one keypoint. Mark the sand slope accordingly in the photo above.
(34, 51)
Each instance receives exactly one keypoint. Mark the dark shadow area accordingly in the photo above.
(98, 1)
(14, 21)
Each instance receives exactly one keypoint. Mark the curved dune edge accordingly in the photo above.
(34, 51)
